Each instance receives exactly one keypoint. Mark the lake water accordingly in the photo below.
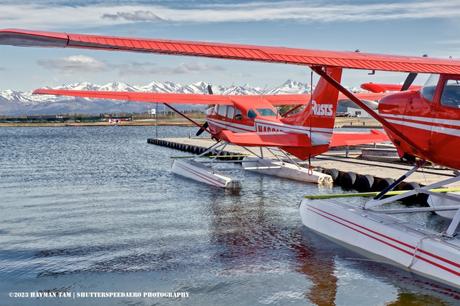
(96, 209)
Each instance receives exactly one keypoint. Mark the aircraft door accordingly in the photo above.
(419, 113)
(445, 138)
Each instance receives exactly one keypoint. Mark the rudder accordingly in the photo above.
(320, 113)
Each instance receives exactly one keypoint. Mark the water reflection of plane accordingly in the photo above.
(242, 231)
(316, 261)
(317, 258)
(252, 234)
(247, 232)
(412, 288)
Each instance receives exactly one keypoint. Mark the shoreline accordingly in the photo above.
(341, 122)
(76, 124)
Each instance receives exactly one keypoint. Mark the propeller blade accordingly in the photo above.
(409, 80)
(202, 129)
(205, 125)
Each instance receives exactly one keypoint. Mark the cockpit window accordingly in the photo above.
(429, 88)
(230, 112)
(251, 114)
(451, 94)
(222, 110)
(266, 112)
(238, 115)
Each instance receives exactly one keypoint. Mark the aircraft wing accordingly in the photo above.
(148, 97)
(370, 96)
(308, 57)
(177, 98)
(342, 139)
(379, 87)
(268, 140)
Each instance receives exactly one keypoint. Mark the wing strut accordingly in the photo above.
(409, 80)
(319, 70)
(189, 119)
(292, 109)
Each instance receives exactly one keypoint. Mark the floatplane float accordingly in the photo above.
(423, 123)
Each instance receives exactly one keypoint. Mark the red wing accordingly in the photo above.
(378, 87)
(139, 96)
(353, 139)
(268, 140)
(353, 60)
(297, 99)
(277, 100)
(371, 96)
(175, 97)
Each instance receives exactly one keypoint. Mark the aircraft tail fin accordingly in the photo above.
(319, 115)
(321, 111)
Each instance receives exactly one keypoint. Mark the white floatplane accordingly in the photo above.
(385, 234)
(285, 168)
(202, 169)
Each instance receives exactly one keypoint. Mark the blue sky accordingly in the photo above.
(407, 28)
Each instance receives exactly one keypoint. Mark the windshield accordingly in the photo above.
(451, 94)
(430, 87)
(251, 114)
(266, 112)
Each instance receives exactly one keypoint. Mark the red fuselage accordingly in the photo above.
(430, 117)
(241, 123)
(264, 121)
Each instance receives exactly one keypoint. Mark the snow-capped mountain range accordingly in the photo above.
(25, 103)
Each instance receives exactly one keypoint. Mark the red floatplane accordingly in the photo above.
(253, 121)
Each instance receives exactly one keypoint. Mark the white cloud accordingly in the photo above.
(74, 63)
(83, 63)
(42, 16)
(134, 16)
(148, 68)
(196, 67)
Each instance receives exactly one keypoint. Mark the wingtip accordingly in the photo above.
(40, 91)
(31, 38)
(11, 30)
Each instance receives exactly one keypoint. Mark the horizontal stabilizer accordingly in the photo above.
(354, 139)
(265, 140)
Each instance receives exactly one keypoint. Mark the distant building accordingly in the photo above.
(357, 112)
(117, 119)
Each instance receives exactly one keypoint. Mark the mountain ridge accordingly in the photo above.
(25, 103)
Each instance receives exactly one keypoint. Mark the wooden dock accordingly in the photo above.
(350, 171)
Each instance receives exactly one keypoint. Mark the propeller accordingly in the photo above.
(409, 80)
(210, 89)
(205, 125)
